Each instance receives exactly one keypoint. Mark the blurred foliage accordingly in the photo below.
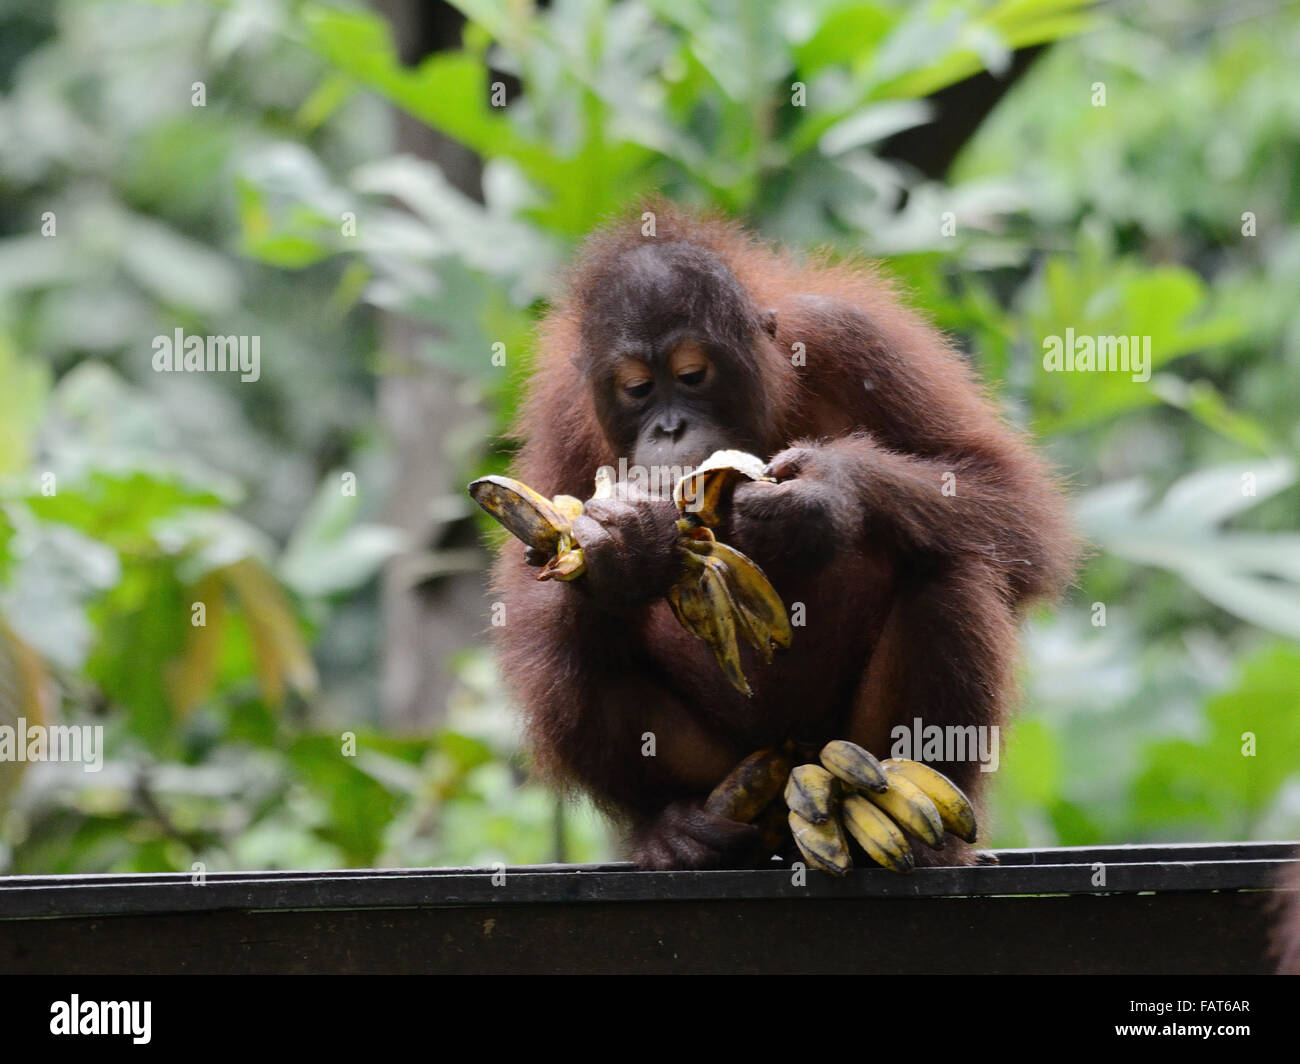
(279, 209)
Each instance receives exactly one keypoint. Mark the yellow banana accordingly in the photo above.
(703, 606)
(568, 506)
(526, 514)
(567, 565)
(721, 595)
(762, 618)
(810, 792)
(854, 765)
(911, 810)
(753, 630)
(955, 809)
(750, 787)
(823, 845)
(674, 599)
(722, 618)
(879, 836)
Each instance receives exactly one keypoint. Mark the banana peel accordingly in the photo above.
(701, 493)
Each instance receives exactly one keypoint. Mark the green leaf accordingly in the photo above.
(328, 553)
(359, 806)
(1255, 576)
(1230, 777)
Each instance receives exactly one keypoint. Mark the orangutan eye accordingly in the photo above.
(633, 378)
(689, 364)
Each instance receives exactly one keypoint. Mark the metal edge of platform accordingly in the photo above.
(1191, 867)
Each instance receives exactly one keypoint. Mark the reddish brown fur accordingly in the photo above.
(917, 619)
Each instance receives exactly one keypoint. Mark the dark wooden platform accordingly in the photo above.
(1164, 909)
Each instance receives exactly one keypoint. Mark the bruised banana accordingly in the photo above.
(854, 765)
(810, 792)
(909, 807)
(544, 524)
(749, 793)
(882, 839)
(822, 845)
(876, 804)
(526, 514)
(955, 809)
(825, 809)
(761, 615)
(703, 605)
(750, 787)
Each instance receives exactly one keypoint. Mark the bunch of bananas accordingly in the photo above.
(849, 794)
(720, 596)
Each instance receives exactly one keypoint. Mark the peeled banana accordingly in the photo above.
(761, 615)
(720, 597)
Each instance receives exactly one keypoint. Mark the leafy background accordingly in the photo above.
(225, 741)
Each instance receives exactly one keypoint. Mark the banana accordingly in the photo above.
(721, 595)
(702, 605)
(700, 493)
(527, 515)
(955, 809)
(854, 765)
(879, 836)
(911, 810)
(568, 506)
(747, 624)
(823, 845)
(810, 792)
(722, 625)
(762, 618)
(750, 787)
(674, 600)
(567, 565)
